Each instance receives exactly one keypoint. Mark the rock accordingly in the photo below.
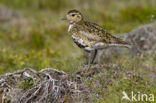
(143, 40)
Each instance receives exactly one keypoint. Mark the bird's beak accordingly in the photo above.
(65, 18)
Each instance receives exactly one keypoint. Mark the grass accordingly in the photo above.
(39, 39)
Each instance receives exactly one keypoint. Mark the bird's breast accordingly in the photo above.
(70, 27)
(81, 43)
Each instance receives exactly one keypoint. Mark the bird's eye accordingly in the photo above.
(73, 15)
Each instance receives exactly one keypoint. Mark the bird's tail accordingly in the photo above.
(121, 43)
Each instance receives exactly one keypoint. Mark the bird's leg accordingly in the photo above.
(92, 56)
(89, 60)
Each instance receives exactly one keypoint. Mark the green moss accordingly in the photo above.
(27, 84)
(37, 40)
(37, 4)
(138, 14)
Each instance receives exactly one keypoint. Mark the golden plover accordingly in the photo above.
(90, 36)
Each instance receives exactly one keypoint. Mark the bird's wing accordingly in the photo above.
(102, 35)
(90, 36)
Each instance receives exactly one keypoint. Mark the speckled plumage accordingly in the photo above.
(93, 34)
(90, 36)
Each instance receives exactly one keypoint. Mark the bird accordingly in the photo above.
(90, 36)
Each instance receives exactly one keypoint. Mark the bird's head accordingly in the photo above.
(73, 16)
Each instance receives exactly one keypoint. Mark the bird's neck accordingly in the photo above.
(77, 23)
